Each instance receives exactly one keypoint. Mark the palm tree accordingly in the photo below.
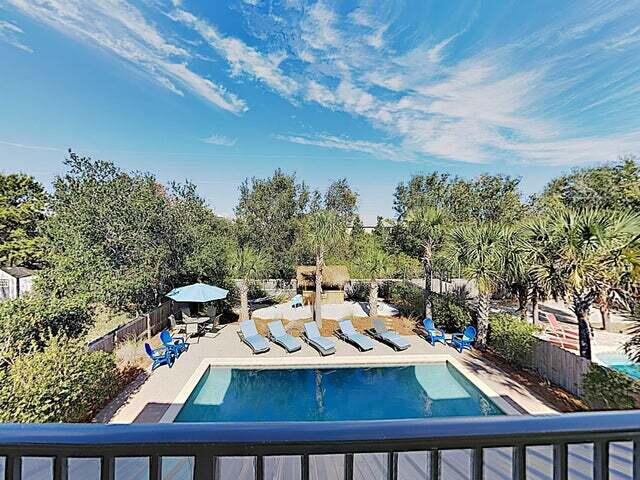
(479, 252)
(246, 265)
(516, 275)
(322, 231)
(428, 225)
(539, 250)
(371, 262)
(590, 247)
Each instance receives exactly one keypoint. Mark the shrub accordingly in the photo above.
(27, 322)
(357, 291)
(131, 354)
(512, 338)
(408, 299)
(62, 383)
(608, 389)
(450, 312)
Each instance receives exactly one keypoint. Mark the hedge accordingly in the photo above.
(26, 323)
(450, 312)
(61, 383)
(608, 389)
(512, 338)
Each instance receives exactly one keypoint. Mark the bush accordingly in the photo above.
(62, 383)
(512, 338)
(450, 312)
(608, 389)
(357, 291)
(26, 323)
(408, 299)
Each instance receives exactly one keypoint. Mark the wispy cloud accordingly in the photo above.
(221, 140)
(241, 57)
(11, 33)
(30, 147)
(562, 89)
(434, 54)
(484, 106)
(122, 29)
(380, 150)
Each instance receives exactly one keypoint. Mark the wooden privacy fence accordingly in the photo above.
(559, 366)
(146, 325)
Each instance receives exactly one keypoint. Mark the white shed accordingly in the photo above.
(15, 282)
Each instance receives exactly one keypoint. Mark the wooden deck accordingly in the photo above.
(455, 465)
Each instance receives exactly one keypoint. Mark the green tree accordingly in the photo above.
(323, 230)
(22, 212)
(589, 245)
(202, 239)
(268, 216)
(357, 228)
(382, 231)
(612, 187)
(538, 250)
(371, 262)
(516, 276)
(247, 265)
(124, 240)
(479, 251)
(340, 198)
(425, 229)
(493, 198)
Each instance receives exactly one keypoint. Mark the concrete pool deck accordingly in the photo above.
(148, 400)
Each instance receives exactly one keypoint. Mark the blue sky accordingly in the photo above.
(372, 91)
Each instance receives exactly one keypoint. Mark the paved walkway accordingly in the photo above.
(151, 398)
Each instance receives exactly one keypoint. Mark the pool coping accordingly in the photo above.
(342, 361)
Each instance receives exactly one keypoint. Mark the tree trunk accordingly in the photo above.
(581, 305)
(373, 298)
(483, 320)
(317, 301)
(428, 277)
(244, 300)
(605, 313)
(535, 307)
(523, 301)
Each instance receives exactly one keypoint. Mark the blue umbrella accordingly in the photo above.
(198, 292)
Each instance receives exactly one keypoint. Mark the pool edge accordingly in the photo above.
(344, 361)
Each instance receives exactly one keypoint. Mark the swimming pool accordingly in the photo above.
(620, 362)
(332, 394)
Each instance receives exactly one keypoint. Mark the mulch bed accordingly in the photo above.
(403, 326)
(556, 397)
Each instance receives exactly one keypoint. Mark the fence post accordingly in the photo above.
(149, 333)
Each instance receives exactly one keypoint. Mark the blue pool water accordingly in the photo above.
(307, 394)
(620, 362)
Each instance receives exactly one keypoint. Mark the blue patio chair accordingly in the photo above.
(159, 356)
(175, 345)
(296, 301)
(312, 336)
(249, 335)
(385, 335)
(347, 332)
(433, 334)
(277, 334)
(465, 339)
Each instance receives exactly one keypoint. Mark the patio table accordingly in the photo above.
(200, 322)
